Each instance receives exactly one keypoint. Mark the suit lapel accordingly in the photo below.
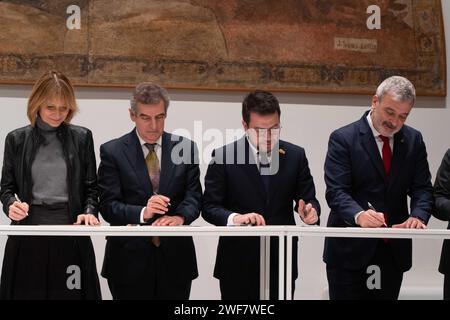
(133, 152)
(398, 157)
(370, 146)
(167, 165)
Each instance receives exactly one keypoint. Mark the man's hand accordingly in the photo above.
(371, 219)
(307, 212)
(157, 204)
(249, 218)
(170, 221)
(18, 211)
(411, 223)
(87, 219)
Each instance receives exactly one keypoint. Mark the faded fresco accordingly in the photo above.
(285, 45)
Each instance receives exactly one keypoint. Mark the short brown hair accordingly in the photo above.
(51, 84)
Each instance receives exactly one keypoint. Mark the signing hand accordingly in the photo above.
(157, 204)
(307, 212)
(87, 219)
(18, 211)
(411, 223)
(170, 221)
(371, 219)
(249, 218)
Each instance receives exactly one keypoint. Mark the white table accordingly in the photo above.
(264, 232)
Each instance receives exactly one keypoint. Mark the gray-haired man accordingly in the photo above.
(371, 167)
(143, 181)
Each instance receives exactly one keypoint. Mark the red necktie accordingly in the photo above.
(387, 157)
(387, 154)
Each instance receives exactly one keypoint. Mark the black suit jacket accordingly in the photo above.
(442, 212)
(125, 188)
(237, 187)
(354, 176)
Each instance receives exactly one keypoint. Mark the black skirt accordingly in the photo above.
(49, 268)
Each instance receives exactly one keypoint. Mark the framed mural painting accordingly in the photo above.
(345, 46)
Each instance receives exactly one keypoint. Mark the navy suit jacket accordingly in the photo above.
(237, 187)
(125, 188)
(442, 203)
(354, 176)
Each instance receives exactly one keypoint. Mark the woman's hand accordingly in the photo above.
(87, 219)
(18, 211)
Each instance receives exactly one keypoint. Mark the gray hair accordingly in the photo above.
(401, 88)
(149, 93)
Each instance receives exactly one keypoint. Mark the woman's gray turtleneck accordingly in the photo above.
(49, 169)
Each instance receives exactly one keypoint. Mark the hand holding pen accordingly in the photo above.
(18, 210)
(157, 204)
(165, 199)
(371, 207)
(371, 218)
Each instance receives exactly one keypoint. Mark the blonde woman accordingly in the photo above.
(49, 178)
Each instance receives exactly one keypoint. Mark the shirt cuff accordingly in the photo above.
(142, 215)
(230, 221)
(356, 217)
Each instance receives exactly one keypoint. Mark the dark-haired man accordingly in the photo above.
(256, 180)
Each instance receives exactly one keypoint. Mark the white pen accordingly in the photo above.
(18, 200)
(373, 208)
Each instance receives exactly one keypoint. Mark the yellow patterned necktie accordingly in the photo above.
(154, 172)
(153, 166)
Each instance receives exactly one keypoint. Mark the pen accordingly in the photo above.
(373, 208)
(157, 194)
(18, 200)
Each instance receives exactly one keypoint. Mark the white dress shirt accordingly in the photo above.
(379, 142)
(376, 135)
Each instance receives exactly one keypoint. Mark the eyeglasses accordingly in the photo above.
(264, 132)
(54, 109)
